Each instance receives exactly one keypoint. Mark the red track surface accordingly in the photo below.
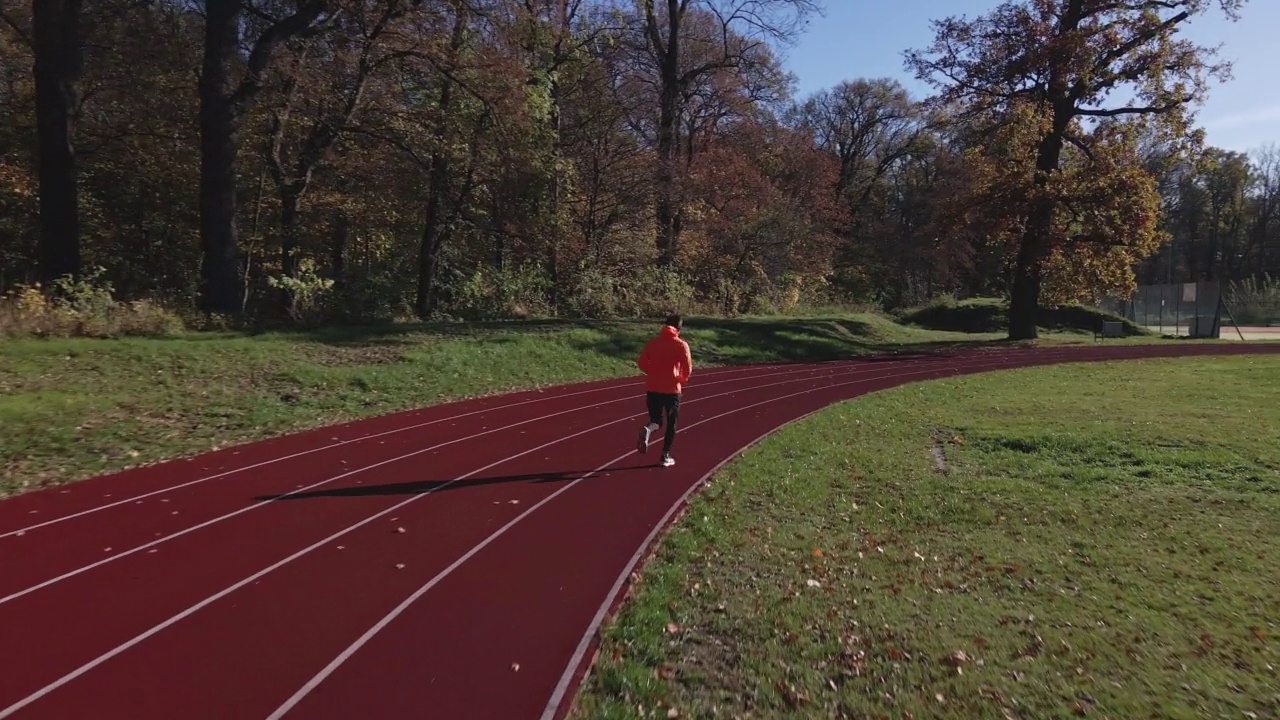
(193, 590)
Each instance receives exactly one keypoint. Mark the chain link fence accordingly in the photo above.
(1192, 310)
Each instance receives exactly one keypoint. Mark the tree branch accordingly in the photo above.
(1144, 110)
(301, 23)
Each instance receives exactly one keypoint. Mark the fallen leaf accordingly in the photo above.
(813, 583)
(817, 553)
(515, 667)
(399, 566)
(673, 713)
(672, 628)
(399, 530)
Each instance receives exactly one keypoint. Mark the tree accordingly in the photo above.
(331, 82)
(735, 32)
(56, 44)
(223, 103)
(1063, 59)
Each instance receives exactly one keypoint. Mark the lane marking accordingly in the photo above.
(619, 385)
(346, 654)
(259, 504)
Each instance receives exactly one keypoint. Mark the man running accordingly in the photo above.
(667, 364)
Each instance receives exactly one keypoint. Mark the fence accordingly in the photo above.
(1191, 309)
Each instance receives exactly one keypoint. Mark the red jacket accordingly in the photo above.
(666, 362)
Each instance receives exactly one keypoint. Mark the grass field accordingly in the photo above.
(1103, 542)
(70, 409)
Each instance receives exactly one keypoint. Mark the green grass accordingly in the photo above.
(73, 408)
(1103, 542)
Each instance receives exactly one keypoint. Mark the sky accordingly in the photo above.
(865, 38)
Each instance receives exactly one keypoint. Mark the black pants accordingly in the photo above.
(660, 404)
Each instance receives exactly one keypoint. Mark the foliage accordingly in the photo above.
(306, 289)
(83, 307)
(502, 158)
(1255, 301)
(1043, 73)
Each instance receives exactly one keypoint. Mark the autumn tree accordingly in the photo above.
(609, 207)
(873, 130)
(684, 40)
(762, 216)
(323, 85)
(1064, 60)
(553, 36)
(226, 92)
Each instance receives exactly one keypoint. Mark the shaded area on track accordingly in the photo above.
(420, 487)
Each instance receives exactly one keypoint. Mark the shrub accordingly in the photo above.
(1254, 301)
(307, 291)
(646, 292)
(513, 292)
(83, 307)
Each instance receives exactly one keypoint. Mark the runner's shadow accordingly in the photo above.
(419, 487)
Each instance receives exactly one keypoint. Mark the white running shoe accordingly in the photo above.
(668, 461)
(642, 443)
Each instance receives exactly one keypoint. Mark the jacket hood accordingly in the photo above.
(669, 331)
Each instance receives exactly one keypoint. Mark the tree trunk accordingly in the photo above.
(58, 65)
(429, 252)
(290, 200)
(219, 267)
(665, 210)
(553, 249)
(432, 231)
(338, 249)
(428, 299)
(1024, 300)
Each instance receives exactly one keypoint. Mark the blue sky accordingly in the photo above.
(865, 38)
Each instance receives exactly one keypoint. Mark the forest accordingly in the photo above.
(360, 161)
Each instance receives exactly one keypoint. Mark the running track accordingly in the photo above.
(452, 562)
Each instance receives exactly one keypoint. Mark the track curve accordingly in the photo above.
(454, 561)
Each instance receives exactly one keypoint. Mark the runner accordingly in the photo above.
(667, 364)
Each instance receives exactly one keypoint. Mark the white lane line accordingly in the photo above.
(248, 508)
(619, 385)
(326, 541)
(346, 654)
